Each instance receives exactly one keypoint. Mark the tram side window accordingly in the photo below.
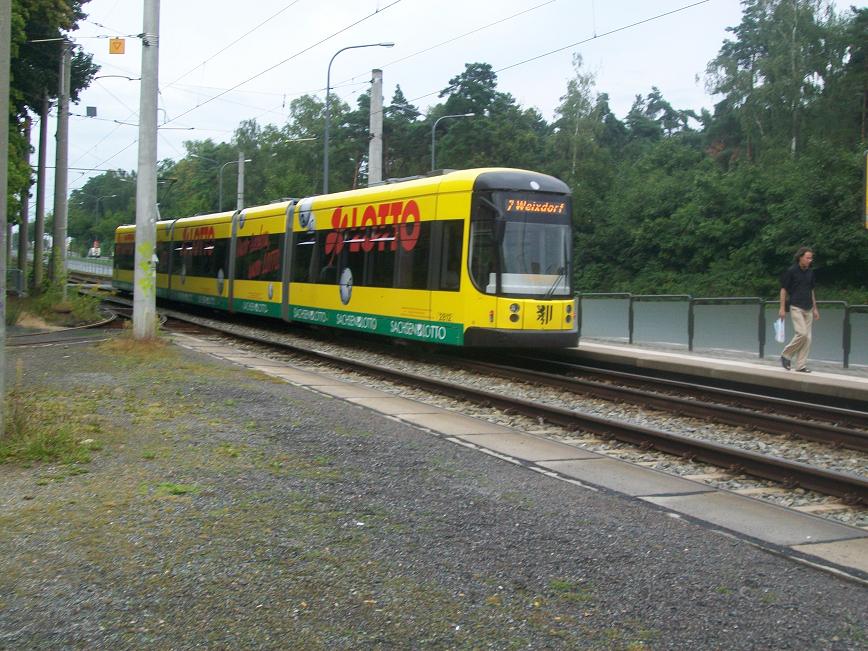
(413, 264)
(177, 256)
(482, 255)
(303, 258)
(449, 269)
(258, 257)
(164, 250)
(328, 263)
(200, 257)
(354, 254)
(210, 258)
(125, 256)
(381, 262)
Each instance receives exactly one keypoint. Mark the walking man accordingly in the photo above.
(797, 296)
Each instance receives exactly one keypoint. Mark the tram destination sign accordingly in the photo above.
(539, 206)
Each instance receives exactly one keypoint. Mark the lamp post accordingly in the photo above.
(223, 167)
(325, 157)
(96, 221)
(98, 199)
(434, 129)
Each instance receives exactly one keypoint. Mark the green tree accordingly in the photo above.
(582, 146)
(501, 133)
(776, 66)
(404, 139)
(100, 206)
(34, 74)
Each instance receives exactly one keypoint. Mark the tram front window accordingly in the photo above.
(535, 259)
(520, 245)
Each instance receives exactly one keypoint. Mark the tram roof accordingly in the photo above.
(485, 178)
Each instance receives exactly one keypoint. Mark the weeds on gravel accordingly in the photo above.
(126, 344)
(14, 310)
(76, 308)
(570, 591)
(39, 427)
(171, 488)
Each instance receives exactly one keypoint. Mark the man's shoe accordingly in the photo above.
(785, 362)
(804, 369)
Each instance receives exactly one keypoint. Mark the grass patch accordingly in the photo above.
(41, 427)
(570, 591)
(170, 488)
(228, 450)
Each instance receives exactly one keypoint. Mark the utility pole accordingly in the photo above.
(239, 203)
(375, 148)
(25, 208)
(61, 172)
(39, 225)
(5, 37)
(145, 273)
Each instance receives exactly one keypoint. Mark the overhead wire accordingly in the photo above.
(290, 58)
(240, 38)
(259, 74)
(350, 80)
(582, 42)
(609, 33)
(133, 112)
(595, 36)
(470, 33)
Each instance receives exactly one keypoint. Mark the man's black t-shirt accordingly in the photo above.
(799, 284)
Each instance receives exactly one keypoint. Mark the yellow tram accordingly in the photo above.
(477, 257)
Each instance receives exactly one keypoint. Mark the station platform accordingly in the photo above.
(825, 379)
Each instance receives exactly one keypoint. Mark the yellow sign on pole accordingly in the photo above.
(116, 45)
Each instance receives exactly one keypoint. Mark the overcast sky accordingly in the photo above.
(222, 62)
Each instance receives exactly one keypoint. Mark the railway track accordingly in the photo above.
(847, 486)
(843, 413)
(831, 425)
(76, 334)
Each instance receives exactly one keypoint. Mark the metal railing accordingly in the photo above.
(96, 266)
(690, 317)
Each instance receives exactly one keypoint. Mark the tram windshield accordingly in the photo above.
(520, 245)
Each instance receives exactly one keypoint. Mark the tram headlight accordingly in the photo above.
(513, 318)
(569, 308)
(514, 307)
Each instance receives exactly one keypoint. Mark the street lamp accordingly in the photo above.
(98, 199)
(434, 128)
(210, 160)
(288, 140)
(325, 158)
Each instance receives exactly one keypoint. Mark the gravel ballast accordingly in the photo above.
(228, 510)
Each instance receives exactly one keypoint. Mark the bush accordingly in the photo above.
(74, 310)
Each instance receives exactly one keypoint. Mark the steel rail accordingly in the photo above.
(57, 336)
(791, 473)
(795, 408)
(771, 423)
